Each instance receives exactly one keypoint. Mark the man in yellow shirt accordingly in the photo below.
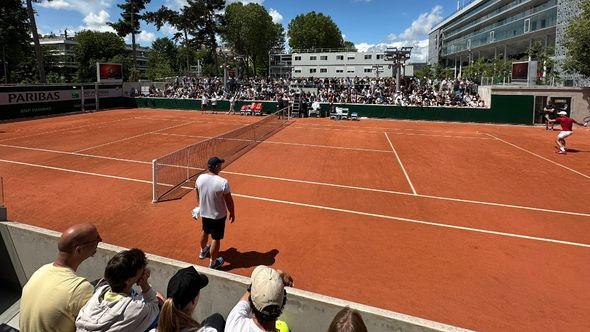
(54, 295)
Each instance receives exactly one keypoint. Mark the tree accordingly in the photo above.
(349, 46)
(577, 42)
(250, 31)
(95, 47)
(546, 63)
(197, 23)
(314, 30)
(161, 59)
(38, 51)
(15, 41)
(129, 24)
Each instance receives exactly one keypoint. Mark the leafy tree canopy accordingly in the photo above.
(97, 47)
(577, 42)
(16, 52)
(250, 31)
(314, 30)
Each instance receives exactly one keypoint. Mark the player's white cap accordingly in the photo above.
(562, 113)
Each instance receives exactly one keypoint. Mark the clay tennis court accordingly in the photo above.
(480, 226)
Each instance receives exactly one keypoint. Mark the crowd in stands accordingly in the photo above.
(56, 299)
(381, 91)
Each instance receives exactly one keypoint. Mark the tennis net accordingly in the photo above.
(173, 173)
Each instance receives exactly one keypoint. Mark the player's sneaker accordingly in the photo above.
(561, 152)
(217, 263)
(204, 252)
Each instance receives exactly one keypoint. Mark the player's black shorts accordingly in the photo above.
(215, 227)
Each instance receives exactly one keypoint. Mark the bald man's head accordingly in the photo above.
(77, 235)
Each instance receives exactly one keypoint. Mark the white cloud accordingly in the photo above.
(56, 4)
(97, 22)
(276, 16)
(416, 36)
(419, 51)
(421, 26)
(146, 37)
(85, 7)
(95, 12)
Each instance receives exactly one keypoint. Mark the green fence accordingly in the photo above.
(22, 101)
(504, 109)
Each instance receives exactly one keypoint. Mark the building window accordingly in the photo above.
(340, 57)
(527, 25)
(368, 70)
(324, 57)
(368, 56)
(297, 58)
(350, 57)
(339, 70)
(313, 57)
(323, 70)
(492, 36)
(380, 56)
(312, 70)
(298, 70)
(350, 70)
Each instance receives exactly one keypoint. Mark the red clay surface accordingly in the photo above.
(497, 237)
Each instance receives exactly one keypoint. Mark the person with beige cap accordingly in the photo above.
(262, 304)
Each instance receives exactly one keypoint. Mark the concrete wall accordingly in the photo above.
(30, 247)
(580, 96)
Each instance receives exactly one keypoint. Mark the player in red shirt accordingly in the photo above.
(567, 129)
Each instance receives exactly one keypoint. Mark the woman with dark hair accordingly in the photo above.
(183, 295)
(347, 320)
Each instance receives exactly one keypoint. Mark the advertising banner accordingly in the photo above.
(109, 72)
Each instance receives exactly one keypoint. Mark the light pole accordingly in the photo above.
(398, 56)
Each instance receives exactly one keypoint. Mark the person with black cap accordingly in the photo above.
(183, 295)
(215, 200)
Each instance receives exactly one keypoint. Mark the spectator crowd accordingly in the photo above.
(368, 90)
(56, 299)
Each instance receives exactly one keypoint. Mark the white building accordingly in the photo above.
(340, 64)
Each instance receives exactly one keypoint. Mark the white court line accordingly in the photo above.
(321, 207)
(435, 135)
(379, 129)
(539, 156)
(136, 136)
(401, 164)
(66, 129)
(76, 154)
(290, 143)
(326, 184)
(401, 133)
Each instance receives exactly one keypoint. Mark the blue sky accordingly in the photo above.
(369, 24)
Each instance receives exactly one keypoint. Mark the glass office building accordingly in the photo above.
(500, 28)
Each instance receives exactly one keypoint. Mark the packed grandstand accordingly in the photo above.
(367, 90)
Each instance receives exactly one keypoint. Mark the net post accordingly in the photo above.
(154, 182)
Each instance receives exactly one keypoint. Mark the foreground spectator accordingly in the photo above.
(347, 320)
(116, 306)
(54, 295)
(183, 295)
(262, 304)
